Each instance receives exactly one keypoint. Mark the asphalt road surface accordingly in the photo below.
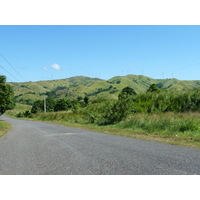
(38, 148)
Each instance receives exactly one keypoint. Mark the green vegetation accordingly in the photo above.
(183, 125)
(4, 127)
(6, 96)
(134, 106)
(173, 128)
(76, 87)
(58, 105)
(6, 103)
(18, 108)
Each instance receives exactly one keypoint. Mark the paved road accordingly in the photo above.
(43, 148)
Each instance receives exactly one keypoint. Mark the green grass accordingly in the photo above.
(79, 86)
(183, 126)
(62, 116)
(179, 129)
(173, 128)
(18, 108)
(4, 127)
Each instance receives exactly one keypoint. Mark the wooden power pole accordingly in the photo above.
(45, 106)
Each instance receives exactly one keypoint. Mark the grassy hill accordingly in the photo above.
(80, 86)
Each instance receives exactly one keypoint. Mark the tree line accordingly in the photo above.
(155, 100)
(55, 105)
(104, 112)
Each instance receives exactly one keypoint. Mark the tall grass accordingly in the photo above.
(62, 116)
(185, 125)
(18, 108)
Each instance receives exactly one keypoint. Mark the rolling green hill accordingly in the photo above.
(80, 86)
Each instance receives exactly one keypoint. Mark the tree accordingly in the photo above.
(86, 100)
(129, 91)
(2, 79)
(38, 106)
(153, 88)
(50, 104)
(79, 98)
(126, 92)
(62, 105)
(122, 108)
(6, 96)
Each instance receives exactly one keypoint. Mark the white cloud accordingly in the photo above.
(56, 66)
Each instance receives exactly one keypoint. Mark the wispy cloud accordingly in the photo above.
(56, 66)
(45, 69)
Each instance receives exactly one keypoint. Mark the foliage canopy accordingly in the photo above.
(6, 96)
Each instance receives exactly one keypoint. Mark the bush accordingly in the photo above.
(27, 113)
(20, 114)
(121, 109)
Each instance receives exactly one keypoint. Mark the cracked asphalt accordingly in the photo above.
(38, 148)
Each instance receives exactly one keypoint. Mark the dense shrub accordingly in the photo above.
(27, 113)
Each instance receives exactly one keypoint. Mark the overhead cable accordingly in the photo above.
(1, 74)
(9, 72)
(13, 67)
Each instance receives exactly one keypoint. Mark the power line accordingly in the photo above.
(13, 67)
(9, 72)
(6, 77)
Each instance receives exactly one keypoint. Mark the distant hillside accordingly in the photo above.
(81, 86)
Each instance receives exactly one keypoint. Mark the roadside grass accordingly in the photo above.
(18, 108)
(173, 128)
(137, 133)
(184, 125)
(4, 127)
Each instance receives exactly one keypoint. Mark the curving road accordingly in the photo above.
(43, 148)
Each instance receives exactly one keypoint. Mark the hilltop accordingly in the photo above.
(80, 86)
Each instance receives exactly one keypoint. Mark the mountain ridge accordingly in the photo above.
(80, 86)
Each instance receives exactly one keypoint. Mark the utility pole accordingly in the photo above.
(45, 106)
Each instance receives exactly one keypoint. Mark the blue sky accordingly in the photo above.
(55, 52)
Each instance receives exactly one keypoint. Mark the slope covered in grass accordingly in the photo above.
(81, 86)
